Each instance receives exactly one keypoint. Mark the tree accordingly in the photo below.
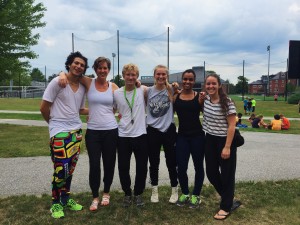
(52, 77)
(231, 87)
(242, 85)
(37, 75)
(118, 81)
(17, 21)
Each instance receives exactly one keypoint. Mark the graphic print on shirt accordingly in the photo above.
(159, 105)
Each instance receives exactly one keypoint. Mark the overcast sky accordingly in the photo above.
(220, 33)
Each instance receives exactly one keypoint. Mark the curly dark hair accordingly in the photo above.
(71, 58)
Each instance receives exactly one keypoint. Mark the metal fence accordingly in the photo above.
(21, 91)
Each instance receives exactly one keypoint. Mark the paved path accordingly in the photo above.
(265, 156)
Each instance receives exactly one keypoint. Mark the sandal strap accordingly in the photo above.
(94, 203)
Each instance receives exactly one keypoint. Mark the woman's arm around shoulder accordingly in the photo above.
(114, 87)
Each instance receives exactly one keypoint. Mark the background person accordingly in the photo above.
(276, 123)
(259, 122)
(161, 131)
(252, 117)
(285, 122)
(249, 106)
(275, 97)
(220, 154)
(60, 108)
(190, 140)
(245, 102)
(130, 103)
(253, 101)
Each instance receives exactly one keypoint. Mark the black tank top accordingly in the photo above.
(188, 112)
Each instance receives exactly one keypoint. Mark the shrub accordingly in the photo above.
(294, 99)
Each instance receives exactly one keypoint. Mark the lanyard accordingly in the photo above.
(132, 102)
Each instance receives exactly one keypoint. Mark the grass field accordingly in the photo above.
(276, 203)
(266, 202)
(267, 108)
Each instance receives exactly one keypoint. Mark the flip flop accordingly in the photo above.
(235, 205)
(223, 215)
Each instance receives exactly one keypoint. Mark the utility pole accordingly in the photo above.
(268, 87)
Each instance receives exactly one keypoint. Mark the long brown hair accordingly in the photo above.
(224, 100)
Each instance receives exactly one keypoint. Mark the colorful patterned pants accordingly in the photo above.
(65, 149)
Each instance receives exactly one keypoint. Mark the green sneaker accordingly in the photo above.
(72, 205)
(194, 202)
(183, 200)
(57, 211)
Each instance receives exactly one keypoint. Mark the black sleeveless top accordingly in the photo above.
(188, 112)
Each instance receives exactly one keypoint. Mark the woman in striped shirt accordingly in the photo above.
(220, 154)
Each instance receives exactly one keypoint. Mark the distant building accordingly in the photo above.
(277, 84)
(176, 77)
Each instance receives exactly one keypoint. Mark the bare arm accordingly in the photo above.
(84, 111)
(201, 98)
(45, 110)
(84, 80)
(230, 134)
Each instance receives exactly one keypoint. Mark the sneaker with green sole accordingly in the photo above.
(194, 202)
(183, 200)
(72, 205)
(57, 211)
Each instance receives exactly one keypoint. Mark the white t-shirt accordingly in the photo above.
(64, 112)
(138, 115)
(160, 113)
(101, 115)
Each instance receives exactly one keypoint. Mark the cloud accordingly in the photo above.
(220, 33)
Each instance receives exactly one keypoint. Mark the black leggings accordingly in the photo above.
(101, 142)
(220, 172)
(167, 139)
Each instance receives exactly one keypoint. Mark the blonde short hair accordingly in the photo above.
(130, 67)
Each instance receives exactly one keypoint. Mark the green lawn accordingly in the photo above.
(25, 141)
(276, 203)
(267, 108)
(263, 202)
(22, 104)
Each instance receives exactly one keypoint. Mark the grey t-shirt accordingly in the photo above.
(160, 113)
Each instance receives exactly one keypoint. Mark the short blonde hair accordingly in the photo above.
(130, 67)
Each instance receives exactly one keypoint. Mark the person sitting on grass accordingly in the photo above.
(285, 122)
(276, 123)
(259, 122)
(252, 117)
(238, 120)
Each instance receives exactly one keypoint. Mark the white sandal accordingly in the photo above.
(94, 205)
(105, 200)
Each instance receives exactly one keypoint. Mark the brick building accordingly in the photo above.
(277, 84)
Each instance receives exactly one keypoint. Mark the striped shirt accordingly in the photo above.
(214, 120)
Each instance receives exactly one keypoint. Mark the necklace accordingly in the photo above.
(130, 104)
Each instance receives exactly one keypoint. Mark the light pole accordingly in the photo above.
(268, 87)
(113, 55)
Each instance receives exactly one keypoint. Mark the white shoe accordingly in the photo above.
(174, 197)
(154, 196)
